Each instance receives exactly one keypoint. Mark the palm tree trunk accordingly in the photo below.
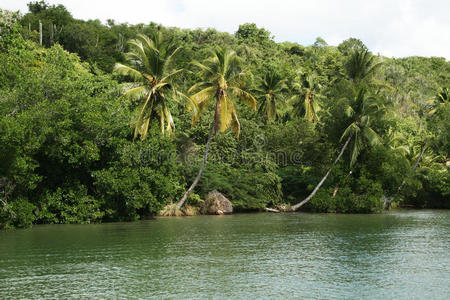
(298, 205)
(40, 32)
(200, 171)
(420, 156)
(336, 189)
(205, 158)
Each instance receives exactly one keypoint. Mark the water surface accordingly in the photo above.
(395, 255)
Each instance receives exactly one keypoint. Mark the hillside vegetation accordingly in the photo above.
(103, 122)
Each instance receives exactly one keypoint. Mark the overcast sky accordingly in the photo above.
(390, 27)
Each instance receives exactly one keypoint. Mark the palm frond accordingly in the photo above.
(168, 76)
(245, 97)
(225, 112)
(149, 43)
(138, 52)
(135, 93)
(203, 95)
(144, 117)
(352, 129)
(371, 136)
(186, 101)
(169, 59)
(169, 120)
(203, 68)
(235, 125)
(122, 69)
(349, 111)
(200, 109)
(357, 146)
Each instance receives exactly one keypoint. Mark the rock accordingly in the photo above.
(216, 204)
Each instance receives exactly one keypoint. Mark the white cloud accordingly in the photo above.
(390, 27)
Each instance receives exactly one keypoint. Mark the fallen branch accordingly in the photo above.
(274, 210)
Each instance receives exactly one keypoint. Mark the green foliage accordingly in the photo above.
(269, 93)
(18, 214)
(149, 67)
(67, 153)
(9, 30)
(365, 197)
(70, 204)
(55, 135)
(306, 101)
(431, 188)
(351, 45)
(140, 180)
(53, 19)
(250, 33)
(361, 65)
(223, 80)
(247, 188)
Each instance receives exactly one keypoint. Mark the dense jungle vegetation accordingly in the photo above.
(103, 122)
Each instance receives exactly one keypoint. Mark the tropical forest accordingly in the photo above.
(103, 122)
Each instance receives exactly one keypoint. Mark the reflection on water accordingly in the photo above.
(394, 255)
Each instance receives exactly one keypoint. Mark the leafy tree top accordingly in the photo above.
(249, 32)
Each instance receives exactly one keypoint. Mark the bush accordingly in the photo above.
(365, 199)
(247, 189)
(141, 180)
(18, 213)
(70, 204)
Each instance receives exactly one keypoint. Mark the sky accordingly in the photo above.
(394, 28)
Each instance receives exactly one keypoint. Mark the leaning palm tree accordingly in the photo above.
(305, 103)
(222, 82)
(437, 105)
(148, 65)
(268, 92)
(360, 112)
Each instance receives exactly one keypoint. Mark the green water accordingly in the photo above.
(396, 255)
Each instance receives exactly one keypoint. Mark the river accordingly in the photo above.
(393, 255)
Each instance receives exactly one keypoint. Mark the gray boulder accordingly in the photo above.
(216, 204)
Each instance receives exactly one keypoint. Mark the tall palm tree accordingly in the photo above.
(148, 65)
(268, 92)
(222, 82)
(305, 103)
(361, 110)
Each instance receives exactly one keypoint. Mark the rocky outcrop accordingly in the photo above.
(216, 204)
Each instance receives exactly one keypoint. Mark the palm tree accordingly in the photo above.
(361, 65)
(397, 143)
(360, 111)
(222, 81)
(148, 65)
(439, 101)
(306, 104)
(268, 92)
